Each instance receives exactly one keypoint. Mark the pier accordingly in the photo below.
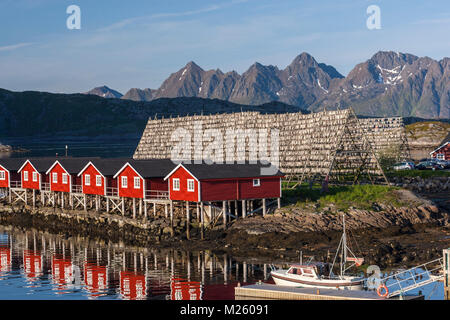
(265, 291)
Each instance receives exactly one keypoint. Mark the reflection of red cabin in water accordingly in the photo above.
(5, 259)
(95, 278)
(32, 263)
(133, 286)
(62, 270)
(181, 289)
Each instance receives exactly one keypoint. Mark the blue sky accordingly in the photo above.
(138, 43)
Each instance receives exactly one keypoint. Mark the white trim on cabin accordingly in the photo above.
(34, 175)
(176, 168)
(258, 184)
(86, 166)
(65, 178)
(176, 184)
(2, 175)
(440, 147)
(54, 164)
(25, 163)
(121, 169)
(188, 185)
(122, 180)
(137, 182)
(87, 179)
(25, 176)
(98, 180)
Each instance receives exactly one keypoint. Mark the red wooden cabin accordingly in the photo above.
(32, 173)
(63, 174)
(144, 179)
(442, 153)
(223, 182)
(97, 177)
(9, 177)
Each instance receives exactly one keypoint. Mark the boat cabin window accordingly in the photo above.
(295, 271)
(308, 272)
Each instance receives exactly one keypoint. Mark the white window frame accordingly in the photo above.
(87, 179)
(35, 176)
(55, 177)
(124, 181)
(98, 180)
(258, 182)
(176, 184)
(2, 175)
(190, 182)
(137, 182)
(65, 179)
(25, 176)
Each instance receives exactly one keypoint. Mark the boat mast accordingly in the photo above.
(344, 247)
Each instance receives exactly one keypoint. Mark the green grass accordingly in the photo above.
(417, 173)
(342, 197)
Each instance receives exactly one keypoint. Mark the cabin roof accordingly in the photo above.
(206, 171)
(72, 165)
(12, 164)
(151, 168)
(42, 164)
(108, 167)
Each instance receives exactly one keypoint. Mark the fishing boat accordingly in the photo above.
(320, 274)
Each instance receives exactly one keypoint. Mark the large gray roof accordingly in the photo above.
(205, 171)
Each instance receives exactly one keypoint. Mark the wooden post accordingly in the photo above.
(171, 212)
(224, 203)
(264, 207)
(85, 204)
(198, 213)
(243, 209)
(165, 210)
(154, 209)
(187, 221)
(107, 204)
(62, 200)
(279, 203)
(96, 203)
(134, 208)
(236, 211)
(140, 207)
(201, 220)
(34, 198)
(123, 206)
(145, 209)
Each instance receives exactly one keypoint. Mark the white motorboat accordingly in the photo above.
(320, 274)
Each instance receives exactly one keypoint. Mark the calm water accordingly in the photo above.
(77, 147)
(35, 265)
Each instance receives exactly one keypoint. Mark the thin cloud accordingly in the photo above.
(15, 46)
(129, 21)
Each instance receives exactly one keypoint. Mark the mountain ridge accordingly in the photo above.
(388, 84)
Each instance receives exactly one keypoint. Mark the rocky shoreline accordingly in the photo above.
(386, 236)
